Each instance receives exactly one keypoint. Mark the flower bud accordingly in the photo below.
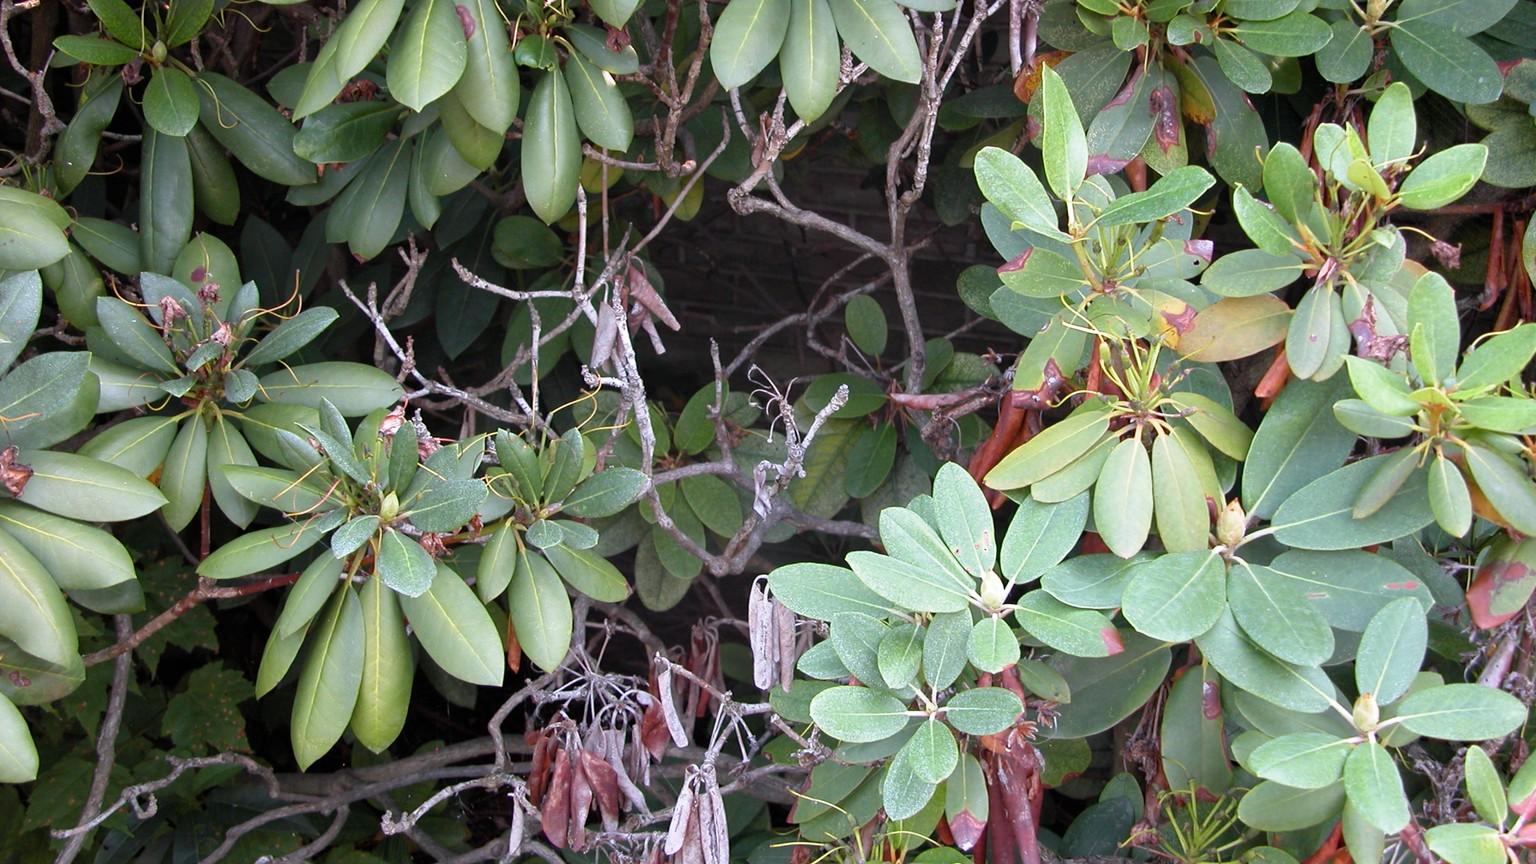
(1366, 714)
(389, 508)
(1231, 524)
(993, 594)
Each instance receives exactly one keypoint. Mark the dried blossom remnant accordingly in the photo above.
(669, 707)
(713, 831)
(760, 636)
(682, 816)
(1448, 254)
(1373, 346)
(392, 421)
(13, 474)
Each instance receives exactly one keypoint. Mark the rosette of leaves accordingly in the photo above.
(539, 547)
(455, 64)
(49, 550)
(1149, 450)
(388, 516)
(1194, 60)
(916, 627)
(1503, 812)
(1336, 231)
(1347, 760)
(197, 359)
(1123, 263)
(1463, 421)
(191, 118)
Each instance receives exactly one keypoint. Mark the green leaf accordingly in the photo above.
(170, 102)
(359, 38)
(1461, 712)
(866, 324)
(877, 32)
(551, 154)
(328, 684)
(94, 50)
(121, 22)
(1347, 56)
(290, 336)
(601, 112)
(404, 566)
(1235, 327)
(1484, 786)
(870, 460)
(748, 35)
(605, 493)
(1106, 691)
(965, 519)
(1078, 632)
(1392, 127)
(1251, 272)
(909, 538)
(1443, 177)
(810, 59)
(903, 793)
(856, 638)
(456, 631)
(259, 137)
(134, 336)
(1267, 228)
(165, 201)
(821, 591)
(308, 595)
(1448, 64)
(81, 488)
(345, 132)
(1466, 843)
(355, 389)
(858, 714)
(931, 752)
(1183, 519)
(260, 550)
(1298, 441)
(1296, 34)
(1015, 190)
(115, 246)
(18, 755)
(21, 303)
(1192, 741)
(1090, 581)
(541, 611)
(1045, 454)
(1171, 194)
(1303, 760)
(1269, 806)
(1063, 141)
(1506, 485)
(944, 648)
(1320, 515)
(898, 656)
(489, 88)
(428, 56)
(589, 573)
(982, 710)
(185, 20)
(1498, 358)
(1040, 536)
(185, 474)
(1274, 614)
(384, 693)
(33, 613)
(1375, 788)
(1391, 651)
(1240, 662)
(277, 658)
(78, 557)
(228, 448)
(1176, 596)
(992, 646)
(47, 399)
(1449, 497)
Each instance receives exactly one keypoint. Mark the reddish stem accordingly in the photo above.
(204, 592)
